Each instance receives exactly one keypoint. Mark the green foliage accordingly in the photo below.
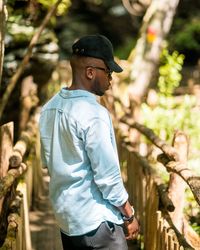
(20, 28)
(62, 8)
(187, 34)
(20, 33)
(124, 51)
(192, 211)
(196, 227)
(170, 75)
(32, 14)
(170, 115)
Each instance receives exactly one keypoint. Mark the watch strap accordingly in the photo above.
(131, 218)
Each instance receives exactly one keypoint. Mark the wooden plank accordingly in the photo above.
(38, 182)
(176, 245)
(6, 144)
(153, 202)
(148, 219)
(131, 177)
(170, 241)
(158, 217)
(22, 187)
(143, 202)
(28, 178)
(164, 238)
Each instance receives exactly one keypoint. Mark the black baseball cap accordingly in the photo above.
(97, 46)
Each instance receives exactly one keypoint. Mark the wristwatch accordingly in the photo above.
(129, 219)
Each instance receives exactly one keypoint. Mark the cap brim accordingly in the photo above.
(113, 66)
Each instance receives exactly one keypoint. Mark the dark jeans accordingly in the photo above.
(107, 236)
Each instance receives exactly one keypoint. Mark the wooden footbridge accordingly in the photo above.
(26, 219)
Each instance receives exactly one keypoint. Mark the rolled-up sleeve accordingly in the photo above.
(104, 162)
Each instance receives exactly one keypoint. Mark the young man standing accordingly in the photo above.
(78, 147)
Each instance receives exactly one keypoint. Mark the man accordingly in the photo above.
(78, 147)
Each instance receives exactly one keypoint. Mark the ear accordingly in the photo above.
(89, 72)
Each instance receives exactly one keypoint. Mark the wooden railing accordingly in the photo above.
(21, 184)
(151, 197)
(159, 205)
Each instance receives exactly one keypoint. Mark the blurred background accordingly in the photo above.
(157, 43)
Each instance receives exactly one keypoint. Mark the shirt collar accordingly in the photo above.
(66, 93)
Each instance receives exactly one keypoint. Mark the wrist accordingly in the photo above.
(130, 218)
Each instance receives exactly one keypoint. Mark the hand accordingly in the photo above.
(132, 229)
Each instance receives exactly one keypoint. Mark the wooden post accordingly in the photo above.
(22, 187)
(28, 100)
(38, 182)
(158, 226)
(176, 184)
(6, 144)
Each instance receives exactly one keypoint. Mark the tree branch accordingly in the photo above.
(26, 58)
(2, 34)
(167, 149)
(188, 176)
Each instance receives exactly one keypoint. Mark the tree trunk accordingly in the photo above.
(156, 25)
(2, 33)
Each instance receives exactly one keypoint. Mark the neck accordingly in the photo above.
(75, 86)
(80, 83)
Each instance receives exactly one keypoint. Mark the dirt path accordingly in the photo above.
(45, 234)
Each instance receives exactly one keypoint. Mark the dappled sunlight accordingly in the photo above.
(45, 234)
(151, 102)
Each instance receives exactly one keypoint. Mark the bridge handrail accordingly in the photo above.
(170, 158)
(19, 187)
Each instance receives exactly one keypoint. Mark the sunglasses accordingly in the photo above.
(107, 71)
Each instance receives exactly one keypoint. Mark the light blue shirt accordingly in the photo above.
(78, 147)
